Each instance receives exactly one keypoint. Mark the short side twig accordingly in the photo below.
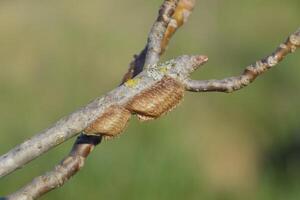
(251, 72)
(69, 166)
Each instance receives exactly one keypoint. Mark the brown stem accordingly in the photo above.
(180, 17)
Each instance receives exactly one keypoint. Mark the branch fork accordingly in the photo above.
(166, 82)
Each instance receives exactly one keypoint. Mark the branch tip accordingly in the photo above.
(250, 73)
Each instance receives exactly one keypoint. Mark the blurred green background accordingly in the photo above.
(56, 56)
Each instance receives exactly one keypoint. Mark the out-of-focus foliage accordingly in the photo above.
(56, 56)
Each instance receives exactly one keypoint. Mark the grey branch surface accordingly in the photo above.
(151, 53)
(157, 32)
(250, 73)
(76, 122)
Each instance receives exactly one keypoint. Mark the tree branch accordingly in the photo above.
(160, 35)
(84, 144)
(180, 68)
(180, 17)
(73, 124)
(172, 15)
(250, 73)
(62, 172)
(151, 53)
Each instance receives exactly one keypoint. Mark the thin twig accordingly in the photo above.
(250, 73)
(151, 53)
(62, 172)
(159, 28)
(167, 27)
(180, 17)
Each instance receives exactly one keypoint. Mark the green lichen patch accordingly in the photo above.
(131, 83)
